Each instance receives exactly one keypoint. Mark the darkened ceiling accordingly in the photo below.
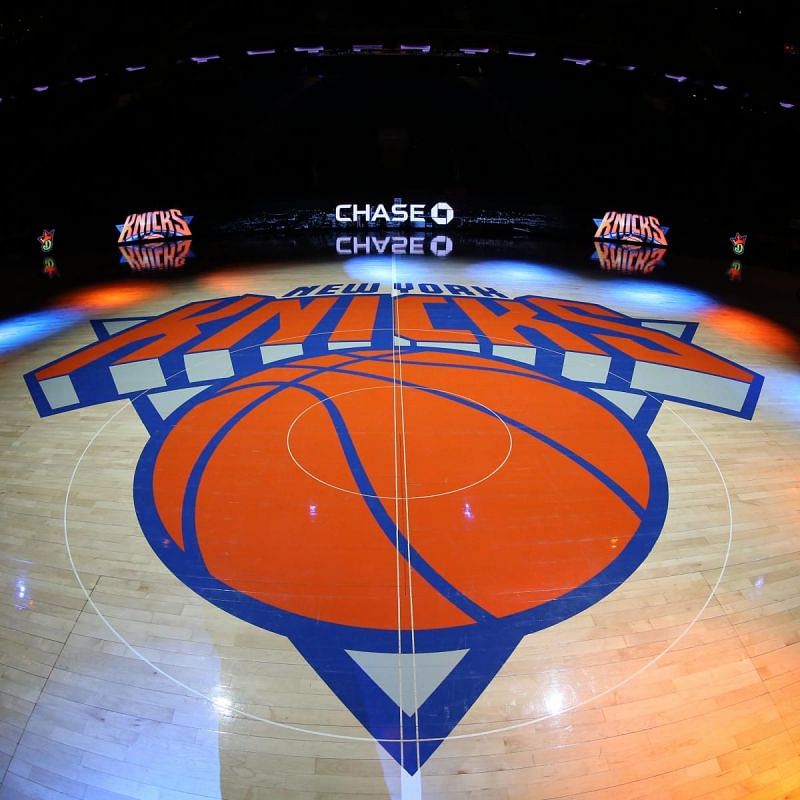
(714, 37)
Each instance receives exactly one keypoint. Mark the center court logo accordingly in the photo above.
(413, 567)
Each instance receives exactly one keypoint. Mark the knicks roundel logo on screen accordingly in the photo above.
(399, 483)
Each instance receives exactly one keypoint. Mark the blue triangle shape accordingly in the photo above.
(409, 739)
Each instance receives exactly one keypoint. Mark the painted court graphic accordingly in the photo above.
(352, 468)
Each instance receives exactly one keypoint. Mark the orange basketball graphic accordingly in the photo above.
(387, 471)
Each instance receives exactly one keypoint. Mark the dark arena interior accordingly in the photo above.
(400, 401)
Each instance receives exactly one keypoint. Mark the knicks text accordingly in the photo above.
(218, 339)
(168, 224)
(618, 226)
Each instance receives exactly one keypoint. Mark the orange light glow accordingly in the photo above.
(754, 330)
(109, 298)
(241, 280)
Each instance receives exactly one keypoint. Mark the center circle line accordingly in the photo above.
(486, 477)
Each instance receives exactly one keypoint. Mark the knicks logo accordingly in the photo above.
(403, 486)
(167, 224)
(621, 227)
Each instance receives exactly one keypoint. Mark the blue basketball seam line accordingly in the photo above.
(612, 485)
(189, 505)
(384, 521)
(308, 372)
(470, 635)
(188, 512)
(188, 522)
(532, 375)
(565, 451)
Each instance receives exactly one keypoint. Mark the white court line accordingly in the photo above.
(397, 531)
(411, 785)
(418, 785)
(345, 737)
(455, 490)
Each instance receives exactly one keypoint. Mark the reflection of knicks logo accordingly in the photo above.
(269, 415)
(168, 224)
(156, 256)
(628, 257)
(618, 226)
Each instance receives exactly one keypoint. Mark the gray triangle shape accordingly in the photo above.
(166, 402)
(675, 329)
(113, 326)
(421, 674)
(629, 402)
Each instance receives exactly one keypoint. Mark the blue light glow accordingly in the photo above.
(22, 598)
(260, 52)
(19, 331)
(678, 78)
(521, 53)
(379, 269)
(581, 62)
(488, 272)
(135, 69)
(652, 299)
(419, 48)
(204, 59)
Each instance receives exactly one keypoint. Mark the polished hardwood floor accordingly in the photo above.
(123, 674)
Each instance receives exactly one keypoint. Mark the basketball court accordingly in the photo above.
(384, 527)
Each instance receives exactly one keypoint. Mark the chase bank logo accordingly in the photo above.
(418, 245)
(440, 213)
